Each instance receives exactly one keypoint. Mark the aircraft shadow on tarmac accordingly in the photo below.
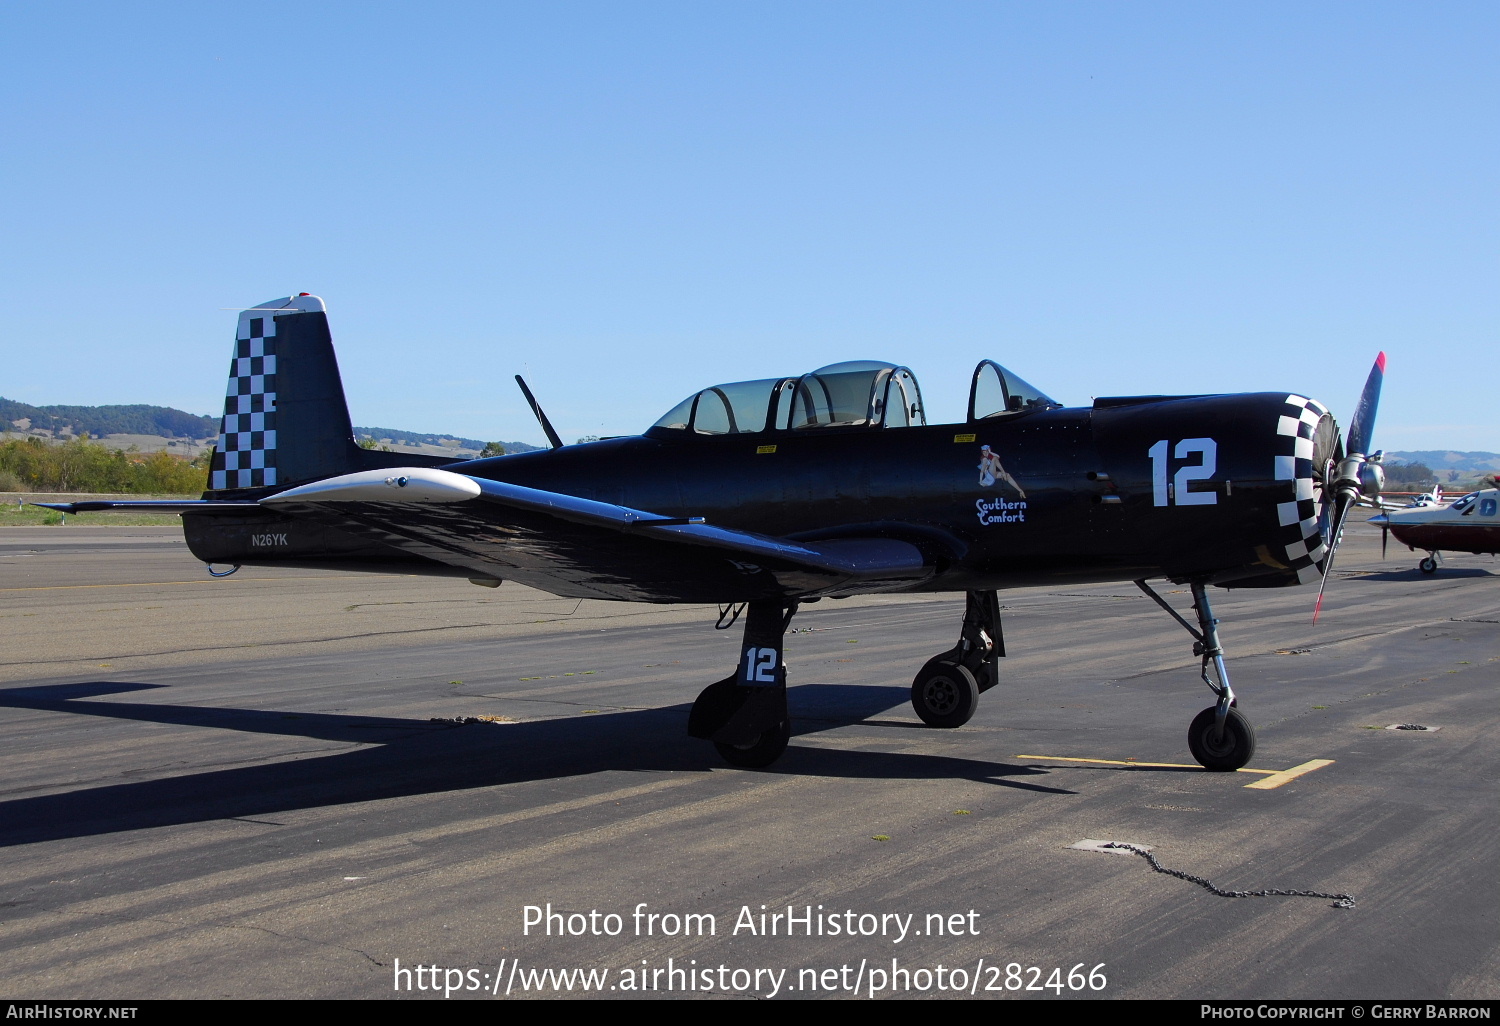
(403, 757)
(1443, 574)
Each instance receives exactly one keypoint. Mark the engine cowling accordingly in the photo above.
(1231, 488)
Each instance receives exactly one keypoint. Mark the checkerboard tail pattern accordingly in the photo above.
(246, 456)
(1300, 513)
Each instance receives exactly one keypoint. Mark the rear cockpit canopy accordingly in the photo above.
(863, 393)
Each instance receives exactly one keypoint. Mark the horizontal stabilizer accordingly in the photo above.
(152, 506)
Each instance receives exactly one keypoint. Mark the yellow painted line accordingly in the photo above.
(1273, 778)
(1277, 779)
(1152, 765)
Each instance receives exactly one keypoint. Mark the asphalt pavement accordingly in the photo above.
(281, 783)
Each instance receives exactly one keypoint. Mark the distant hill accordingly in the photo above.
(397, 437)
(1447, 459)
(98, 421)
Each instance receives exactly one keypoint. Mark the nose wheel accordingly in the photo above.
(1224, 749)
(1428, 565)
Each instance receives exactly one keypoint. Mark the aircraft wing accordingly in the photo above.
(580, 547)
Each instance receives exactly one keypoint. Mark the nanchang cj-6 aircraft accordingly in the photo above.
(770, 494)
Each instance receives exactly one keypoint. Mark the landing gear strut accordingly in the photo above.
(745, 714)
(1220, 737)
(946, 690)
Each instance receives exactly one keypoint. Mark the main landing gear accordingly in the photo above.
(745, 714)
(946, 690)
(1220, 737)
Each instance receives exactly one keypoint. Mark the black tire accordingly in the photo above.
(944, 694)
(1233, 749)
(1428, 565)
(766, 749)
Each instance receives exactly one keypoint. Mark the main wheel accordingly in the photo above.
(1428, 565)
(765, 750)
(944, 694)
(1234, 748)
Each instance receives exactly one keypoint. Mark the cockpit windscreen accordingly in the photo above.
(997, 391)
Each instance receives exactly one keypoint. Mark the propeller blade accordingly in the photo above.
(1383, 522)
(1348, 483)
(1363, 425)
(1336, 533)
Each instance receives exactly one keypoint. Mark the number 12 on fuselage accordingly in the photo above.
(1177, 493)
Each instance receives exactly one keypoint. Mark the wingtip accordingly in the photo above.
(1380, 361)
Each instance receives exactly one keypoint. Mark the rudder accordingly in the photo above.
(285, 417)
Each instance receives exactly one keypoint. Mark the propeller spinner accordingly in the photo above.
(1358, 474)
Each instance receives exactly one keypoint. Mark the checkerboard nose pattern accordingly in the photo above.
(1301, 516)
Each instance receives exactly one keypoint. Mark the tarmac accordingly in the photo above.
(281, 783)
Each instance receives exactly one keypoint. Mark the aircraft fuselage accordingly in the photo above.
(1182, 486)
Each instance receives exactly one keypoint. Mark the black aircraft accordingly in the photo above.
(765, 495)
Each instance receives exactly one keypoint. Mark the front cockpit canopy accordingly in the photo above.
(997, 391)
(863, 393)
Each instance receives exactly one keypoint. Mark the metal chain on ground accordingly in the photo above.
(1340, 900)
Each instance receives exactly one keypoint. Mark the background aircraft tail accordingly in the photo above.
(285, 418)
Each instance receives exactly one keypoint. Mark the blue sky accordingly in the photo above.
(628, 201)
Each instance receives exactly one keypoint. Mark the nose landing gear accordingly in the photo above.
(1220, 737)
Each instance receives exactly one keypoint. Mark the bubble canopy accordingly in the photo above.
(860, 393)
(996, 391)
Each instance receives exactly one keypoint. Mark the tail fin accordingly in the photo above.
(285, 418)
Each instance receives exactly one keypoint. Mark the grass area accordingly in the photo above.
(12, 515)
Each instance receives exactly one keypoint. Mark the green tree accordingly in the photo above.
(79, 465)
(491, 449)
(1409, 475)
